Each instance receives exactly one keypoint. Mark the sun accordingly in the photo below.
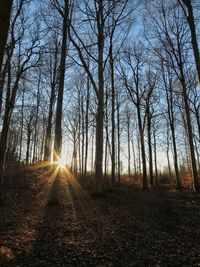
(61, 163)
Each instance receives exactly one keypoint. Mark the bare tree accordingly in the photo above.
(189, 14)
(27, 58)
(173, 37)
(53, 77)
(168, 80)
(134, 58)
(64, 13)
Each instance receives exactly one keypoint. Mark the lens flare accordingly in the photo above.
(61, 163)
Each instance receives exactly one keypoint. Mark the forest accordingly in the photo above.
(99, 133)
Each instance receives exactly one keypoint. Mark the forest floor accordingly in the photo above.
(126, 227)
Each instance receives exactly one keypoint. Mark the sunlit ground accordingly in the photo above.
(62, 188)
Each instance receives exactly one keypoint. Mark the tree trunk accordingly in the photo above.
(197, 112)
(58, 124)
(168, 160)
(118, 141)
(129, 143)
(100, 108)
(178, 183)
(113, 117)
(2, 81)
(5, 13)
(47, 148)
(99, 144)
(144, 168)
(36, 121)
(28, 142)
(155, 157)
(139, 155)
(197, 154)
(4, 133)
(79, 133)
(196, 183)
(134, 157)
(192, 26)
(149, 117)
(87, 123)
(106, 142)
(22, 124)
(92, 151)
(83, 134)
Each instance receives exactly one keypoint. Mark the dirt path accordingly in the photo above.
(128, 227)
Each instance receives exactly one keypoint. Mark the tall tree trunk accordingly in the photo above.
(129, 143)
(178, 183)
(191, 22)
(47, 148)
(197, 112)
(87, 124)
(22, 124)
(83, 134)
(197, 154)
(5, 13)
(79, 139)
(139, 155)
(141, 131)
(170, 108)
(92, 150)
(105, 159)
(58, 124)
(113, 116)
(155, 156)
(99, 143)
(4, 132)
(28, 142)
(196, 183)
(168, 159)
(74, 159)
(36, 120)
(189, 129)
(149, 117)
(134, 157)
(40, 157)
(106, 141)
(118, 142)
(2, 81)
(100, 108)
(79, 133)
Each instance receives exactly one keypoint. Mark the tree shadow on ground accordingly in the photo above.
(58, 230)
(47, 248)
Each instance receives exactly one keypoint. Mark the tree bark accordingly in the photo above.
(22, 124)
(58, 124)
(118, 142)
(4, 132)
(83, 134)
(47, 148)
(149, 118)
(141, 131)
(155, 156)
(29, 131)
(191, 22)
(87, 124)
(5, 13)
(36, 120)
(129, 142)
(196, 183)
(113, 116)
(100, 108)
